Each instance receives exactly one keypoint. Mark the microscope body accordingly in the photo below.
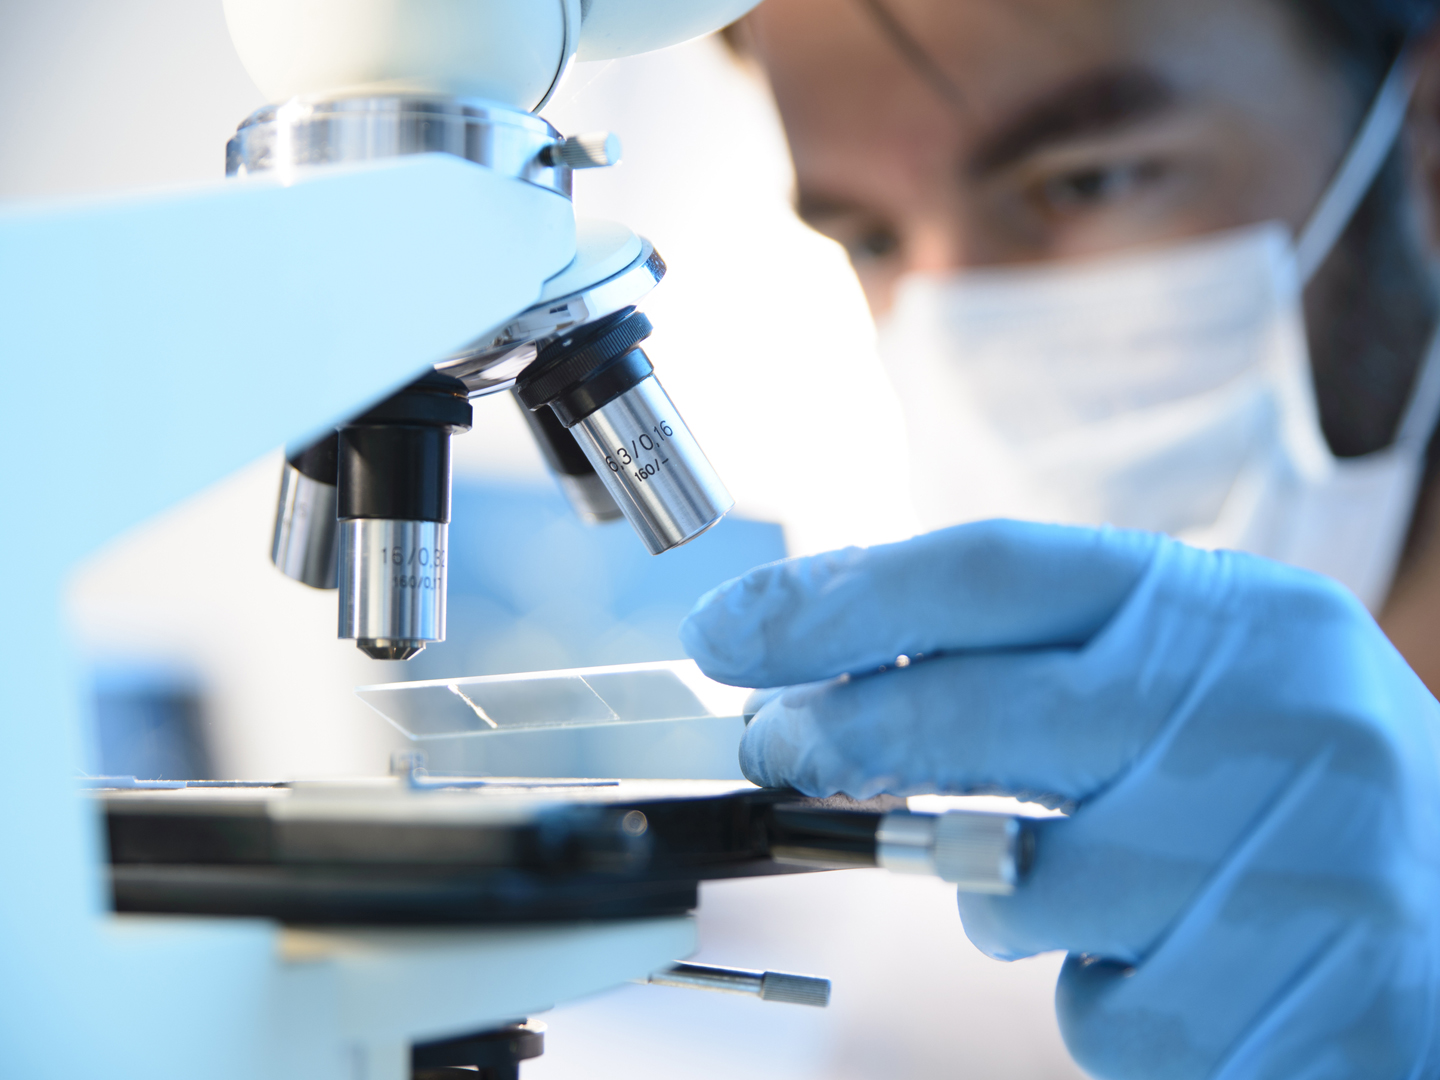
(188, 332)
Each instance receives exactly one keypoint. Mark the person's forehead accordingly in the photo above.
(839, 78)
(990, 50)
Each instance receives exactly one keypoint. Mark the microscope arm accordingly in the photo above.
(278, 307)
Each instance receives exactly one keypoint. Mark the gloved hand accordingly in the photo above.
(1249, 885)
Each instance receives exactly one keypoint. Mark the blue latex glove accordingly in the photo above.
(1250, 884)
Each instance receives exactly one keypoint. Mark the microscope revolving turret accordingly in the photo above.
(605, 425)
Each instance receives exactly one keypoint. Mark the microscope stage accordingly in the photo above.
(439, 850)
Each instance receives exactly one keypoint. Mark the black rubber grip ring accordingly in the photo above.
(561, 365)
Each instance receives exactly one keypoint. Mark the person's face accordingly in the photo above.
(1081, 126)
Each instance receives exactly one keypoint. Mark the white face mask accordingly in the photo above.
(1166, 389)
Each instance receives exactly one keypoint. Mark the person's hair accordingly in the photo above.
(1366, 35)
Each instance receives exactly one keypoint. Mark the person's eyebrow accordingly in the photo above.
(1094, 104)
(812, 207)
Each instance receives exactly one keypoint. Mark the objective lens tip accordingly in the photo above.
(388, 648)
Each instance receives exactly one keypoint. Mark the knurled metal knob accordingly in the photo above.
(979, 852)
(594, 150)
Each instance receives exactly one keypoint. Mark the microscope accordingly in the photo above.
(395, 237)
(365, 508)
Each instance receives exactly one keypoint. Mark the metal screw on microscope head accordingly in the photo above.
(595, 150)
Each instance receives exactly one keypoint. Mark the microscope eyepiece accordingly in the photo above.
(393, 508)
(601, 386)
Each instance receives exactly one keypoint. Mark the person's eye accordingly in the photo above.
(863, 238)
(875, 242)
(1098, 186)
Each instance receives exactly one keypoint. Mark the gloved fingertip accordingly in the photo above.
(695, 640)
(723, 638)
(725, 657)
(774, 741)
(756, 764)
(783, 747)
(757, 700)
(983, 921)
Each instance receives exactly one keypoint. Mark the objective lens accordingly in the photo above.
(394, 513)
(395, 570)
(583, 488)
(305, 541)
(670, 493)
(602, 388)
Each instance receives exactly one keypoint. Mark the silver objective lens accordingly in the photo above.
(589, 498)
(305, 536)
(394, 512)
(653, 467)
(584, 490)
(601, 387)
(393, 575)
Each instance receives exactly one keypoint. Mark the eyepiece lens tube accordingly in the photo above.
(586, 492)
(305, 544)
(394, 512)
(601, 387)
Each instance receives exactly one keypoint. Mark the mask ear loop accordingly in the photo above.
(1363, 161)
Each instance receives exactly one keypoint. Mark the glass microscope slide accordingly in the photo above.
(577, 697)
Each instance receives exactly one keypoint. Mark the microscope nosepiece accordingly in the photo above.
(394, 514)
(601, 386)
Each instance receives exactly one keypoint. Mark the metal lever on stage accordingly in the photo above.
(766, 985)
